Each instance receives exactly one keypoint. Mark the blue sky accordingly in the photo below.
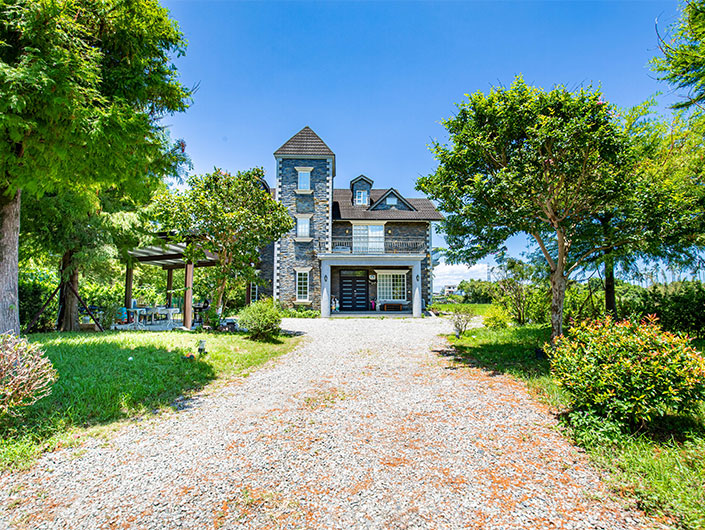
(374, 79)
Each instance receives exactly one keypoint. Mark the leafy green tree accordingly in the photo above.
(683, 62)
(230, 215)
(526, 160)
(476, 291)
(83, 84)
(660, 218)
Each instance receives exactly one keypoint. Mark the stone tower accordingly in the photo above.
(305, 172)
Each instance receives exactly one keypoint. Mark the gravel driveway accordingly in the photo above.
(363, 426)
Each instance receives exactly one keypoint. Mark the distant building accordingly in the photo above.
(449, 290)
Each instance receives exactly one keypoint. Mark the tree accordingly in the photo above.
(83, 84)
(233, 216)
(660, 218)
(526, 160)
(476, 291)
(683, 61)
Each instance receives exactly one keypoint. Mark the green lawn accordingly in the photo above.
(663, 467)
(478, 309)
(112, 376)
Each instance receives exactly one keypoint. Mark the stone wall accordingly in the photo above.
(298, 254)
(266, 267)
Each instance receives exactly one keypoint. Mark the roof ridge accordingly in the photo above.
(305, 142)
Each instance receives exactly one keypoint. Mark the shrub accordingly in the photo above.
(628, 371)
(461, 318)
(262, 319)
(34, 288)
(299, 312)
(497, 317)
(25, 374)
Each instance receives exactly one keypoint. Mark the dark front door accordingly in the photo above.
(353, 291)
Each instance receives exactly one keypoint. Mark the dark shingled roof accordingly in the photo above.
(304, 142)
(345, 210)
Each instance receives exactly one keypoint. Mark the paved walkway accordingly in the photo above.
(364, 426)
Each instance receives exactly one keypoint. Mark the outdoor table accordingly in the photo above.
(169, 312)
(136, 312)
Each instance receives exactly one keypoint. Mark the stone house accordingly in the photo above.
(355, 248)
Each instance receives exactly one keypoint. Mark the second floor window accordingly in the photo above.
(303, 227)
(368, 238)
(304, 180)
(361, 197)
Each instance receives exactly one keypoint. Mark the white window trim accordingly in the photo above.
(367, 198)
(300, 170)
(388, 272)
(307, 272)
(395, 200)
(303, 239)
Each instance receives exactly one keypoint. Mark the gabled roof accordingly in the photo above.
(345, 210)
(390, 191)
(304, 142)
(361, 177)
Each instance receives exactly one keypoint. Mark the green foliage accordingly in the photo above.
(461, 317)
(26, 375)
(112, 376)
(627, 371)
(298, 312)
(591, 430)
(679, 306)
(231, 215)
(527, 160)
(476, 291)
(683, 61)
(497, 317)
(262, 319)
(663, 467)
(35, 287)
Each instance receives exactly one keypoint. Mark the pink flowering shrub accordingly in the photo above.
(26, 374)
(628, 371)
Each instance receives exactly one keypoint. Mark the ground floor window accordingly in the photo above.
(302, 286)
(254, 292)
(391, 286)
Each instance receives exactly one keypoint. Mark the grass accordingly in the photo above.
(662, 466)
(108, 377)
(478, 309)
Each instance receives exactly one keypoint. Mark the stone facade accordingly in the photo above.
(295, 253)
(407, 231)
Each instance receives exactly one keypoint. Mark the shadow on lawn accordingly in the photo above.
(102, 380)
(515, 351)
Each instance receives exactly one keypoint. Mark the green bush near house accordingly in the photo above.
(661, 463)
(497, 317)
(628, 371)
(262, 319)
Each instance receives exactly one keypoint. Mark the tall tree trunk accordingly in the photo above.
(9, 248)
(558, 285)
(610, 298)
(69, 303)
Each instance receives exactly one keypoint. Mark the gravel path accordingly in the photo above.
(364, 426)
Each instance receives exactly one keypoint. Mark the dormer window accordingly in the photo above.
(391, 201)
(361, 197)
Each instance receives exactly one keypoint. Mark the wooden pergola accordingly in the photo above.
(169, 257)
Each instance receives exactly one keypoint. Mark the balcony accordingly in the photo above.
(387, 245)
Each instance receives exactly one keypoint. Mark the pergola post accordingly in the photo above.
(188, 294)
(128, 287)
(169, 285)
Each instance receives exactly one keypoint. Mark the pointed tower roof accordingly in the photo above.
(305, 142)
